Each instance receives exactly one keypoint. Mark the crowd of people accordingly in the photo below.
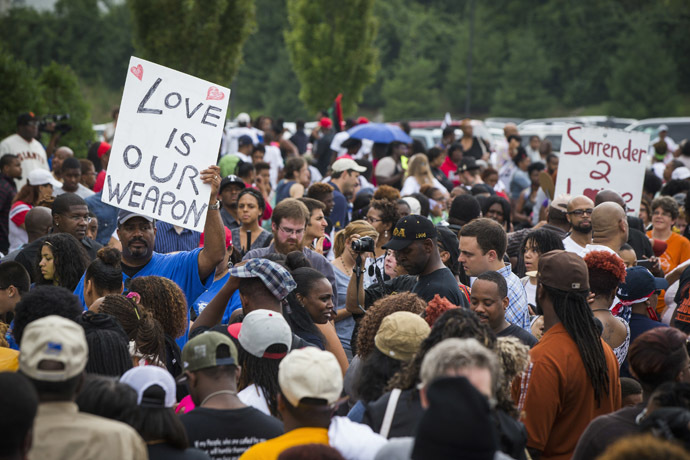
(346, 299)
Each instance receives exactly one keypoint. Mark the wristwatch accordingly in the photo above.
(214, 207)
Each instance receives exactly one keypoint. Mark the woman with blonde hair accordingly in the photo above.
(419, 174)
(343, 264)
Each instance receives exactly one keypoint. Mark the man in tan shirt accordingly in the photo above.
(53, 356)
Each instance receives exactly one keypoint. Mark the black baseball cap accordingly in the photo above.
(468, 164)
(244, 140)
(231, 179)
(409, 229)
(25, 118)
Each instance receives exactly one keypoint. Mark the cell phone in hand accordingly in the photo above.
(646, 263)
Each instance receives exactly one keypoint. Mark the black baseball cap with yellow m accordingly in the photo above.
(409, 229)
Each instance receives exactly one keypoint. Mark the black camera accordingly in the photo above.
(62, 128)
(364, 244)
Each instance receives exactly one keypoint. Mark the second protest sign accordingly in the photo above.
(594, 159)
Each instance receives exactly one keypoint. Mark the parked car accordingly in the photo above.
(594, 120)
(552, 132)
(678, 127)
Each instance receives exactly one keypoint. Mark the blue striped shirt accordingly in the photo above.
(168, 240)
(517, 312)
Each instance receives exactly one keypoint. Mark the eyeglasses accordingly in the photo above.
(291, 231)
(87, 219)
(372, 220)
(581, 212)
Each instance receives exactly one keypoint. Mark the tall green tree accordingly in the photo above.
(642, 82)
(331, 49)
(266, 83)
(19, 92)
(488, 52)
(408, 94)
(521, 91)
(60, 90)
(201, 38)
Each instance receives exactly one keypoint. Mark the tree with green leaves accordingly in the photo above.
(201, 38)
(331, 49)
(61, 93)
(409, 94)
(19, 92)
(266, 83)
(642, 81)
(521, 88)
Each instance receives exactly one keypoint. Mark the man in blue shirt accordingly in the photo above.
(191, 270)
(343, 180)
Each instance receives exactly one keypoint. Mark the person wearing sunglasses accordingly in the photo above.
(580, 217)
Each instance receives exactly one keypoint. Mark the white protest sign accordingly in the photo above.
(593, 159)
(168, 131)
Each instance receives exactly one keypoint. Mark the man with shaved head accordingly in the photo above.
(60, 155)
(636, 237)
(579, 215)
(609, 228)
(38, 223)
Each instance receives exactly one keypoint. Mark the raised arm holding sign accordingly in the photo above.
(168, 131)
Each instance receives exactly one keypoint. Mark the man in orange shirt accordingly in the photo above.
(573, 374)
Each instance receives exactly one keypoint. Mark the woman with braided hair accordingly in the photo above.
(146, 337)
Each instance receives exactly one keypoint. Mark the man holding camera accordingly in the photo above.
(24, 144)
(415, 244)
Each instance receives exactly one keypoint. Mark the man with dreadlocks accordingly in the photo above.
(573, 374)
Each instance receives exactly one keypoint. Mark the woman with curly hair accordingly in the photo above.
(61, 262)
(606, 271)
(168, 304)
(457, 322)
(386, 192)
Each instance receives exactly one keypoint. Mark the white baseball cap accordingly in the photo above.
(261, 329)
(243, 118)
(141, 378)
(42, 177)
(347, 164)
(310, 373)
(662, 128)
(681, 173)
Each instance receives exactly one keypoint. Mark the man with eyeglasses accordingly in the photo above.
(580, 217)
(24, 144)
(288, 223)
(70, 215)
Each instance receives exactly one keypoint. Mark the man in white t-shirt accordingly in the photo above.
(24, 144)
(580, 217)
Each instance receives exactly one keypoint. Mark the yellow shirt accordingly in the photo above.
(269, 450)
(9, 360)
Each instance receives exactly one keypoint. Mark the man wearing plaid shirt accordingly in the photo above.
(482, 246)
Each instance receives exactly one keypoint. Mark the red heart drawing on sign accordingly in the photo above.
(590, 193)
(214, 94)
(138, 71)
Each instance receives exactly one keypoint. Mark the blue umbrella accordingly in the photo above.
(379, 132)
